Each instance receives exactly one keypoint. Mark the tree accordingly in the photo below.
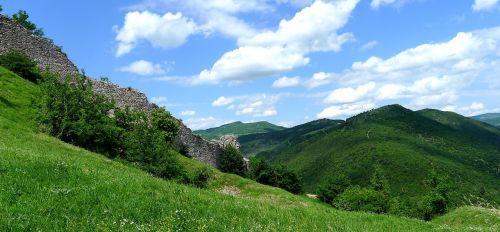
(258, 165)
(356, 198)
(379, 180)
(277, 175)
(19, 63)
(336, 185)
(232, 161)
(436, 201)
(22, 18)
(168, 125)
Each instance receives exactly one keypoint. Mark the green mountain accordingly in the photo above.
(238, 128)
(48, 185)
(255, 143)
(490, 118)
(408, 145)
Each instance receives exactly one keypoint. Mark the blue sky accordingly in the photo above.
(284, 61)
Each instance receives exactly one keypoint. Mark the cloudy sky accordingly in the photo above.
(285, 61)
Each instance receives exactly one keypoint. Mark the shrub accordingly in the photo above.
(277, 175)
(202, 177)
(436, 201)
(379, 181)
(163, 121)
(22, 18)
(357, 198)
(70, 111)
(336, 185)
(19, 63)
(232, 161)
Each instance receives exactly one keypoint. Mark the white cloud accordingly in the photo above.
(202, 123)
(143, 68)
(319, 79)
(284, 82)
(485, 5)
(369, 45)
(161, 101)
(296, 3)
(375, 4)
(349, 95)
(475, 108)
(222, 101)
(163, 31)
(256, 105)
(345, 110)
(188, 113)
(269, 53)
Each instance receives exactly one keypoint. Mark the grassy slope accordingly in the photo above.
(49, 185)
(473, 218)
(238, 128)
(408, 145)
(491, 118)
(253, 144)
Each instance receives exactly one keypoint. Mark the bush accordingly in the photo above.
(22, 18)
(335, 186)
(19, 63)
(232, 161)
(357, 198)
(70, 111)
(277, 175)
(436, 201)
(379, 181)
(202, 177)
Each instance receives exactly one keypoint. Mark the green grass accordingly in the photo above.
(238, 128)
(408, 145)
(473, 218)
(48, 185)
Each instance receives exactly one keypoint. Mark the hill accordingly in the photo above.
(238, 128)
(491, 118)
(49, 185)
(407, 144)
(254, 143)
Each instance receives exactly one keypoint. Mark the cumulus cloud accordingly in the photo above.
(188, 113)
(348, 95)
(268, 53)
(375, 4)
(257, 105)
(222, 101)
(162, 31)
(485, 5)
(428, 75)
(143, 68)
(161, 101)
(475, 108)
(345, 110)
(203, 123)
(284, 82)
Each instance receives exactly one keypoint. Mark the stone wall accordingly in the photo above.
(48, 55)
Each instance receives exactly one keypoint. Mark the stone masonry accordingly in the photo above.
(49, 56)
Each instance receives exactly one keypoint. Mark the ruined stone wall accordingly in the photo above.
(41, 50)
(48, 55)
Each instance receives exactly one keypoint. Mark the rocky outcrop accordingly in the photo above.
(228, 140)
(49, 56)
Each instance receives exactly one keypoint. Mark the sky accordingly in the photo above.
(212, 62)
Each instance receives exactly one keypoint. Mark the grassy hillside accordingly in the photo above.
(254, 143)
(408, 145)
(238, 128)
(491, 118)
(47, 185)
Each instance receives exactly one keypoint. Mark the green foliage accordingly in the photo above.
(69, 110)
(202, 177)
(231, 161)
(356, 198)
(19, 63)
(490, 118)
(335, 185)
(1, 8)
(407, 144)
(277, 175)
(436, 201)
(22, 18)
(379, 181)
(72, 112)
(238, 128)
